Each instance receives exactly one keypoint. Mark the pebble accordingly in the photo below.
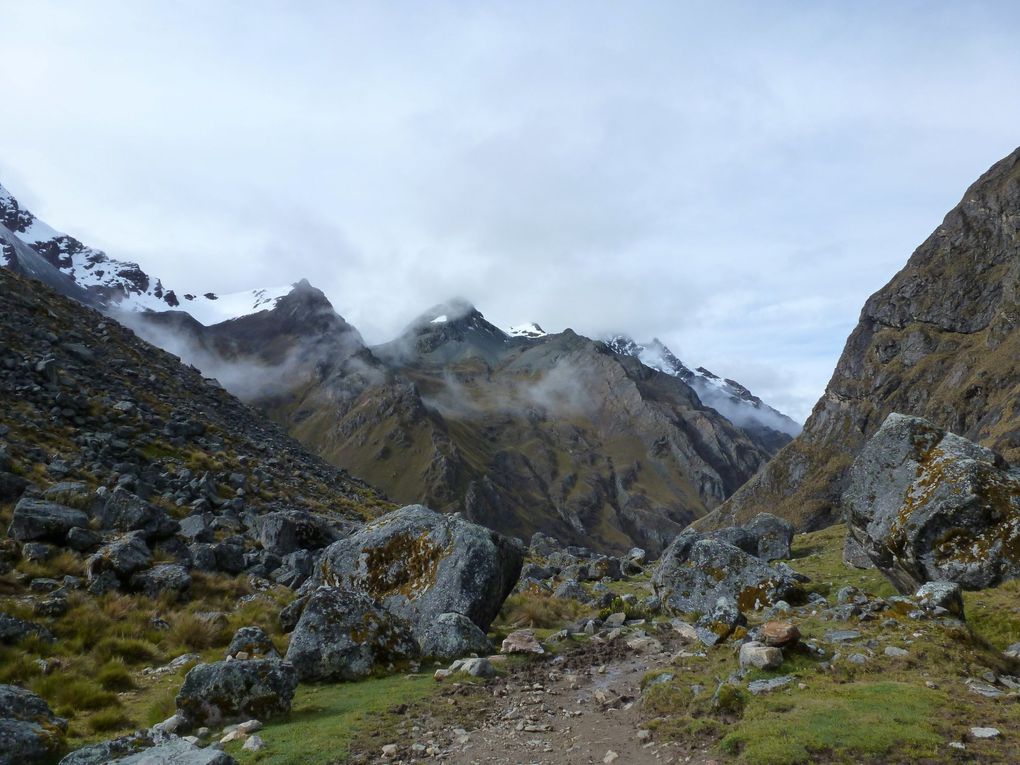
(611, 756)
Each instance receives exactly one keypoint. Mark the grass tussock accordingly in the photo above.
(540, 611)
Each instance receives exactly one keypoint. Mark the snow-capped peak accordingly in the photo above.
(212, 309)
(529, 330)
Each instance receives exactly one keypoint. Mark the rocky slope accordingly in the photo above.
(553, 433)
(940, 341)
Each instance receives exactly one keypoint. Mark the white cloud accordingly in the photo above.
(735, 178)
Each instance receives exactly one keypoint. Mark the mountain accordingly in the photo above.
(768, 427)
(555, 433)
(941, 341)
(75, 270)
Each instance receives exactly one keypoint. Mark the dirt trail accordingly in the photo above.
(573, 709)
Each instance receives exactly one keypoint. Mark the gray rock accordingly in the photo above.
(112, 750)
(253, 641)
(124, 511)
(161, 579)
(290, 530)
(420, 564)
(773, 535)
(174, 751)
(947, 596)
(767, 686)
(738, 537)
(229, 690)
(475, 667)
(39, 520)
(83, 540)
(197, 528)
(29, 731)
(760, 656)
(13, 630)
(37, 551)
(895, 652)
(854, 555)
(543, 545)
(451, 636)
(11, 486)
(842, 636)
(928, 505)
(229, 556)
(534, 571)
(344, 635)
(291, 613)
(694, 572)
(717, 625)
(122, 557)
(571, 590)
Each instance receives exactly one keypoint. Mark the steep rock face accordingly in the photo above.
(940, 341)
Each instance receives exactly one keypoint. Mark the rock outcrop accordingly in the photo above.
(30, 734)
(939, 341)
(926, 505)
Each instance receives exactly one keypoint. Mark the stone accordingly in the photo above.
(38, 520)
(83, 540)
(779, 634)
(253, 641)
(123, 557)
(254, 744)
(476, 667)
(694, 572)
(162, 579)
(288, 531)
(760, 656)
(29, 731)
(842, 636)
(928, 505)
(111, 750)
(895, 652)
(521, 641)
(36, 551)
(124, 511)
(615, 620)
(571, 589)
(947, 596)
(854, 554)
(11, 486)
(978, 733)
(174, 751)
(344, 635)
(714, 627)
(14, 630)
(451, 636)
(758, 687)
(773, 536)
(226, 690)
(419, 564)
(291, 613)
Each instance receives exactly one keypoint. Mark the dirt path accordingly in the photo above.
(577, 708)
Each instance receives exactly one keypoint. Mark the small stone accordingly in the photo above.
(644, 735)
(389, 750)
(611, 756)
(857, 658)
(984, 733)
(615, 620)
(254, 744)
(842, 636)
(779, 634)
(760, 656)
(895, 651)
(765, 686)
(249, 726)
(521, 641)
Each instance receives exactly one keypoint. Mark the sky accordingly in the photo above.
(732, 178)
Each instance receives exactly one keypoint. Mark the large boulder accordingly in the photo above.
(124, 511)
(694, 572)
(773, 536)
(287, 531)
(452, 636)
(420, 564)
(236, 690)
(36, 520)
(13, 630)
(345, 635)
(123, 556)
(928, 505)
(29, 731)
(253, 641)
(166, 578)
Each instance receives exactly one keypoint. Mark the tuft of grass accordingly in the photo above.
(72, 695)
(191, 633)
(873, 721)
(130, 650)
(543, 611)
(161, 707)
(115, 676)
(106, 720)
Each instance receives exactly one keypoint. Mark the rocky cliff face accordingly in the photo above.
(940, 341)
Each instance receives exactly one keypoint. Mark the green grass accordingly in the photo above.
(325, 719)
(874, 721)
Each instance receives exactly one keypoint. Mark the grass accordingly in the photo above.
(325, 719)
(539, 610)
(880, 721)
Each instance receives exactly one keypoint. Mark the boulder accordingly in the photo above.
(122, 557)
(344, 635)
(287, 531)
(773, 536)
(11, 486)
(521, 641)
(164, 578)
(29, 731)
(420, 564)
(13, 630)
(779, 634)
(928, 505)
(124, 511)
(571, 590)
(760, 656)
(941, 598)
(139, 749)
(236, 690)
(451, 636)
(253, 641)
(738, 537)
(854, 555)
(718, 624)
(40, 520)
(694, 572)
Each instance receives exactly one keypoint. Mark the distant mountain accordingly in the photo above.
(941, 341)
(768, 427)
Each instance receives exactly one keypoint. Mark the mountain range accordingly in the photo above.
(602, 442)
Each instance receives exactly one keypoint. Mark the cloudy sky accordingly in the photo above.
(734, 178)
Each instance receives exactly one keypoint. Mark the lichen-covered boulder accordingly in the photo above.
(253, 641)
(123, 557)
(260, 689)
(29, 731)
(36, 520)
(928, 505)
(694, 572)
(166, 578)
(345, 635)
(420, 564)
(773, 536)
(13, 630)
(142, 748)
(451, 636)
(286, 531)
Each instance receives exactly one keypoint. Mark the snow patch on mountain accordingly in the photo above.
(209, 309)
(530, 330)
(728, 397)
